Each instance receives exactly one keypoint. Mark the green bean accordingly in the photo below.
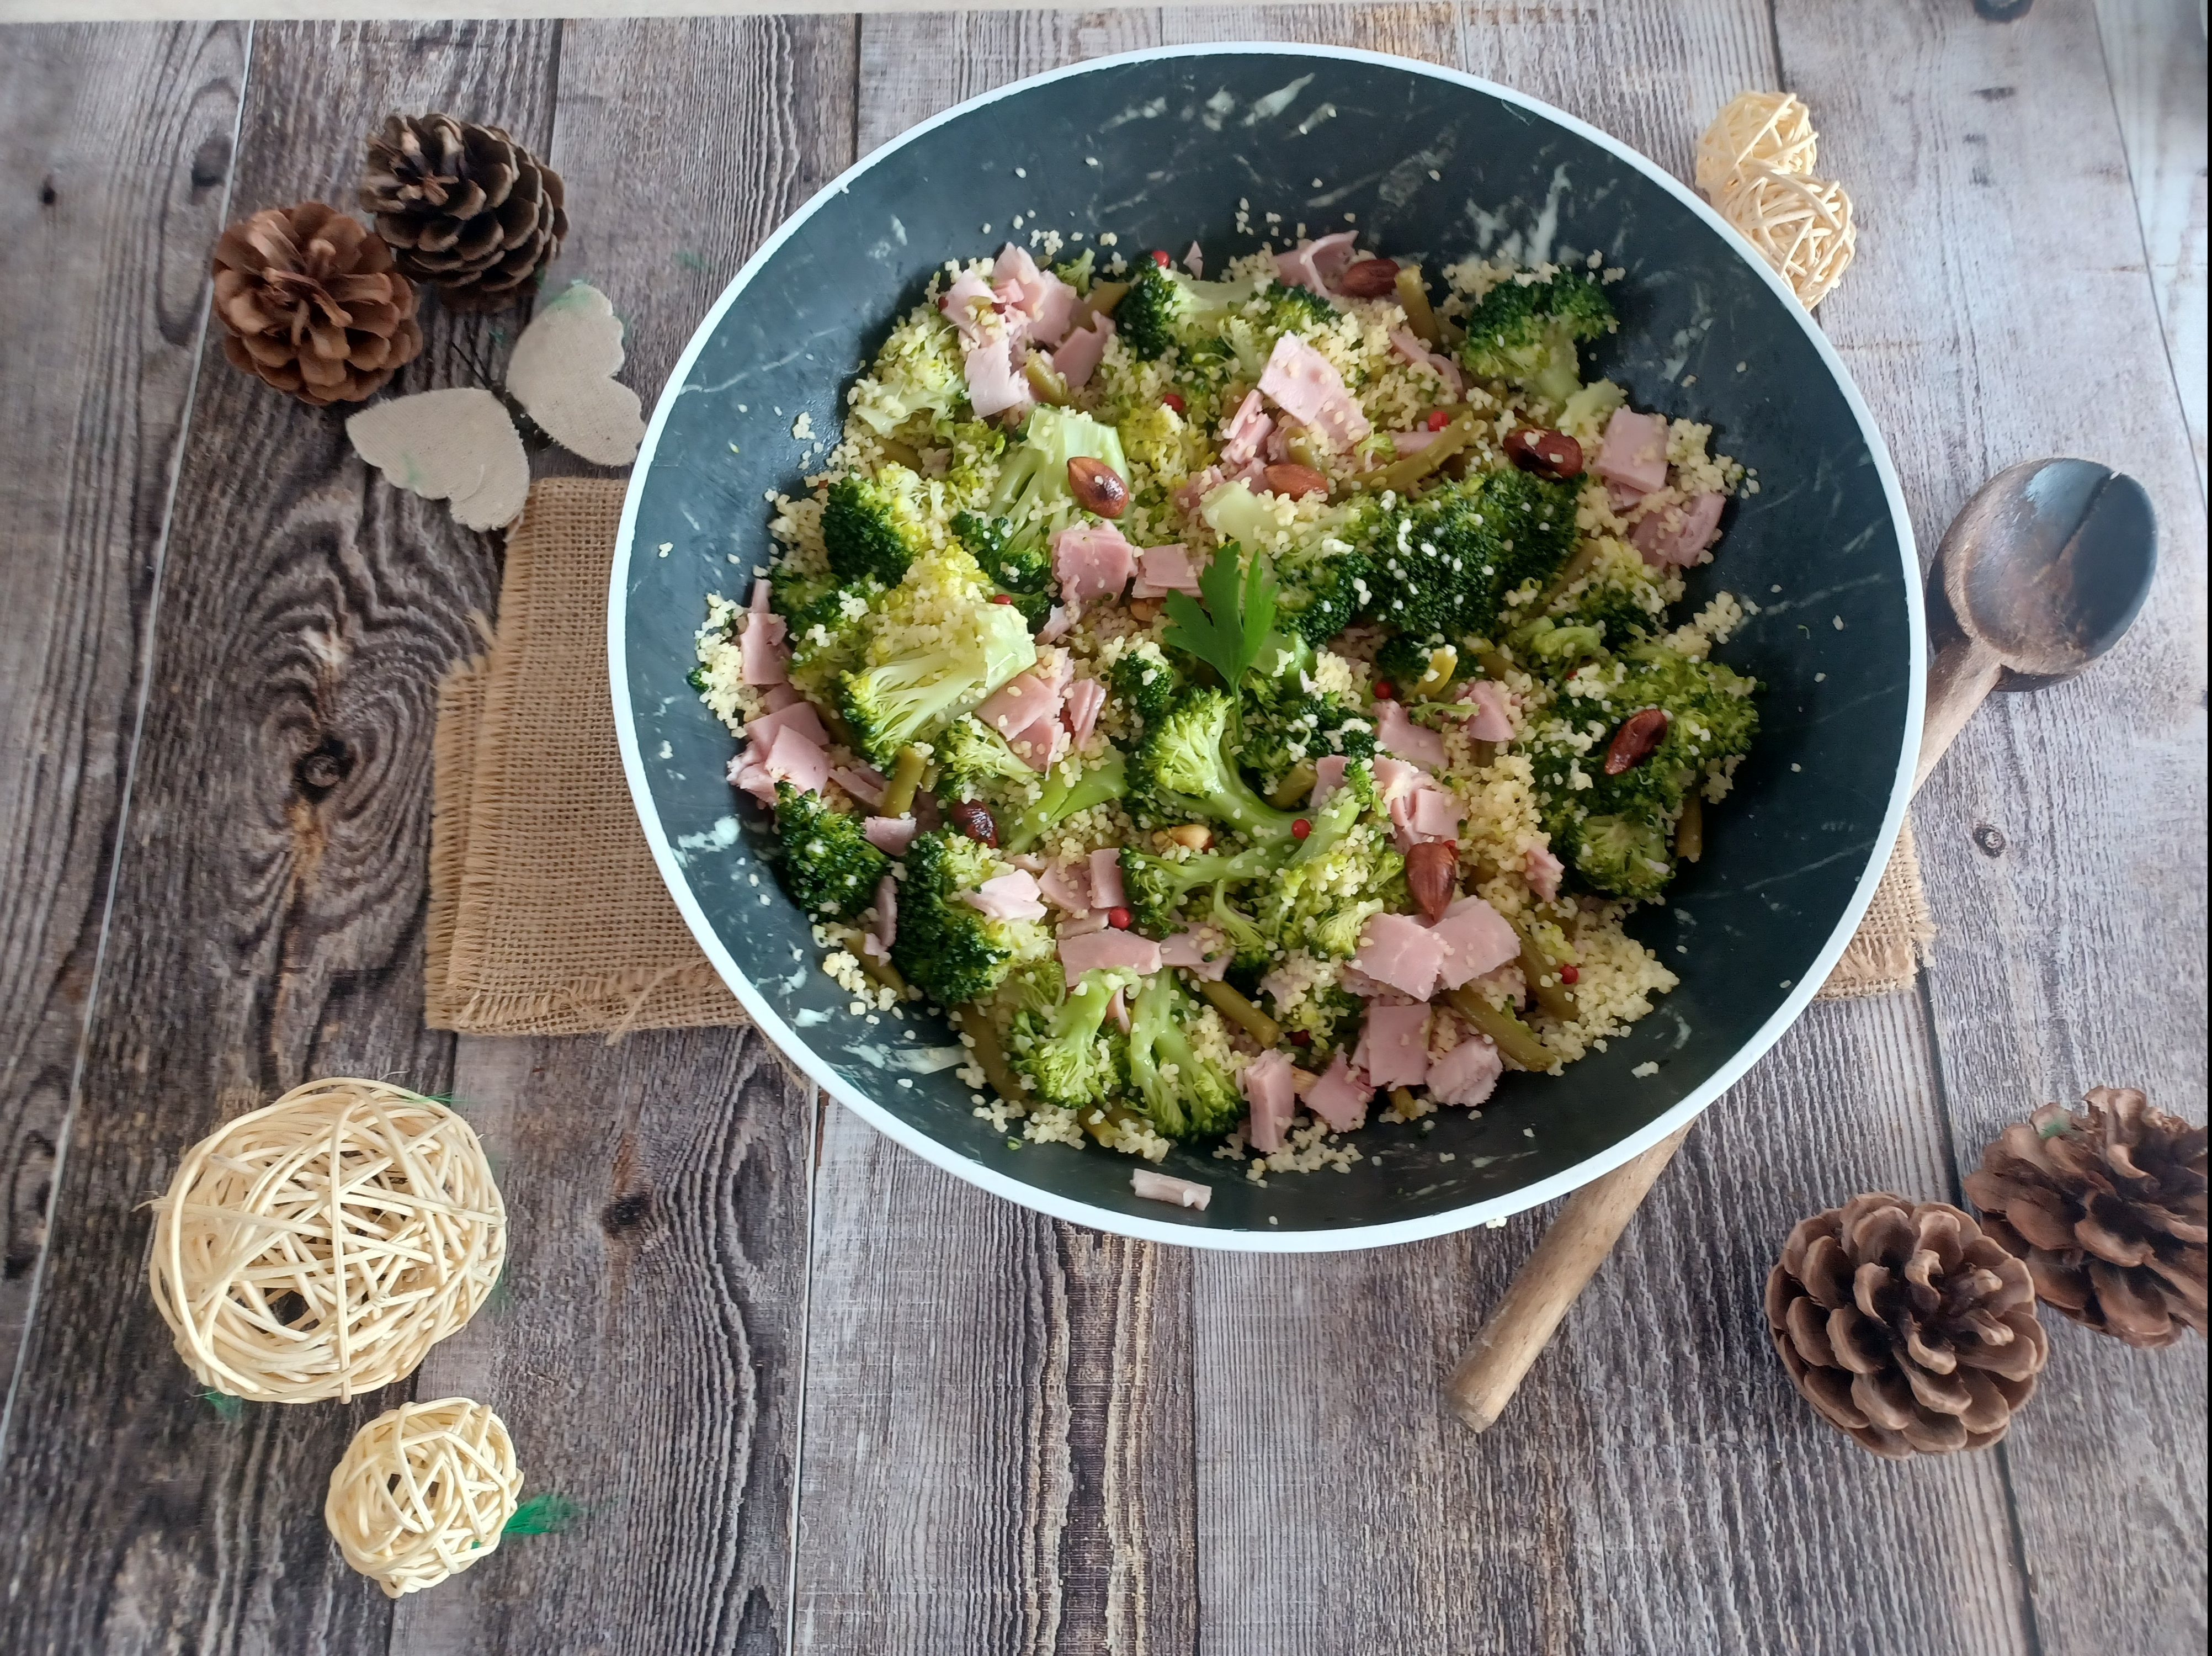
(1495, 664)
(1690, 830)
(1413, 295)
(990, 1055)
(1442, 663)
(1402, 476)
(1238, 1010)
(879, 967)
(1543, 975)
(1513, 1038)
(906, 777)
(1294, 788)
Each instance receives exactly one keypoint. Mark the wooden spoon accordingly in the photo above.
(2042, 573)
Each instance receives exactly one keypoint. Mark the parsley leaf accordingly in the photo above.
(1239, 613)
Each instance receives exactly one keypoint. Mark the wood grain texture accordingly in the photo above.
(116, 147)
(268, 910)
(651, 1351)
(997, 1422)
(2154, 58)
(2075, 955)
(644, 1350)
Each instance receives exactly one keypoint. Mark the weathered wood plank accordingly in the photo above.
(999, 1428)
(2063, 838)
(117, 143)
(2154, 56)
(268, 925)
(651, 1357)
(645, 1349)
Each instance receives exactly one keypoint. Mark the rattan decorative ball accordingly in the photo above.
(1800, 225)
(1772, 130)
(423, 1491)
(320, 1246)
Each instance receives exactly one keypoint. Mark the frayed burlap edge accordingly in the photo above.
(1895, 937)
(547, 915)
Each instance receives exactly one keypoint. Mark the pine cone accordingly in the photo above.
(464, 207)
(1904, 1325)
(311, 304)
(2107, 1207)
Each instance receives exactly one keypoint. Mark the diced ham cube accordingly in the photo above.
(1106, 879)
(1057, 621)
(798, 715)
(1067, 885)
(1494, 723)
(890, 835)
(790, 757)
(1268, 1090)
(1204, 953)
(1108, 950)
(1329, 777)
(971, 306)
(1339, 1095)
(1079, 711)
(1040, 302)
(995, 380)
(1394, 1045)
(1199, 487)
(1092, 561)
(1633, 457)
(1007, 896)
(1473, 939)
(1315, 266)
(885, 929)
(1398, 950)
(1435, 813)
(1246, 430)
(1409, 346)
(1079, 355)
(1164, 570)
(763, 656)
(1412, 442)
(864, 782)
(1676, 535)
(1542, 871)
(1467, 1074)
(1304, 383)
(1395, 731)
(1027, 698)
(1118, 1010)
(1394, 778)
(1164, 1187)
(1194, 262)
(1082, 925)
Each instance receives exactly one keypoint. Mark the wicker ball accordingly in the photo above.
(1772, 130)
(422, 1492)
(1800, 225)
(320, 1247)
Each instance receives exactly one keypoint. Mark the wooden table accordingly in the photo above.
(812, 1393)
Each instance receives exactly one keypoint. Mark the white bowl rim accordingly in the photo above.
(1267, 1240)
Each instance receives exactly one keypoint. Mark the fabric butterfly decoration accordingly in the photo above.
(461, 444)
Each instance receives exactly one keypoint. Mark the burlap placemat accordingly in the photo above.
(547, 915)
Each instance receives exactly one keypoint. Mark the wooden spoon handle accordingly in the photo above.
(1960, 679)
(1563, 1264)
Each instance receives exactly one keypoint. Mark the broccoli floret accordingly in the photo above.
(919, 371)
(1443, 562)
(1323, 578)
(972, 760)
(1525, 331)
(1284, 723)
(1344, 874)
(1329, 1016)
(1145, 682)
(1181, 771)
(1165, 309)
(828, 867)
(1062, 1053)
(1163, 443)
(1622, 856)
(1015, 566)
(1616, 832)
(1252, 949)
(1078, 273)
(874, 526)
(1290, 308)
(908, 697)
(829, 635)
(1156, 886)
(951, 949)
(1063, 796)
(1198, 1099)
(1033, 494)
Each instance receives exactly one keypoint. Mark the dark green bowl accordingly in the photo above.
(1161, 147)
